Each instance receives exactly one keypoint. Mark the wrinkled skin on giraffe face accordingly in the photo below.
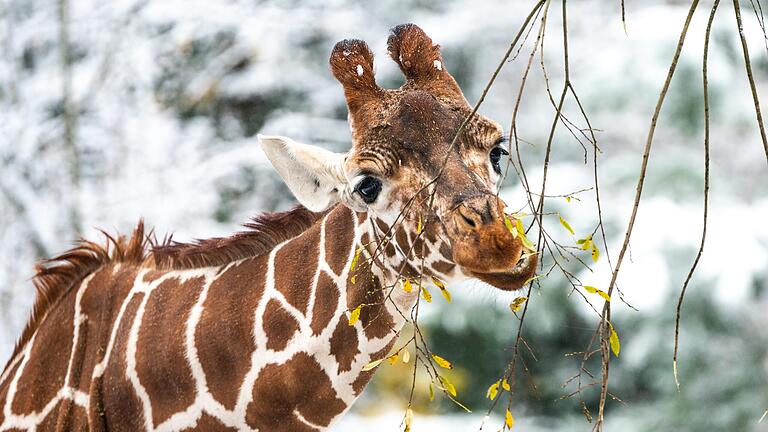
(404, 153)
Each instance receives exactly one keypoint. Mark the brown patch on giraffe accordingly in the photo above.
(362, 380)
(100, 305)
(339, 237)
(113, 393)
(153, 275)
(49, 422)
(225, 330)
(344, 345)
(443, 267)
(51, 347)
(326, 301)
(71, 417)
(299, 384)
(279, 326)
(302, 255)
(401, 237)
(161, 363)
(209, 423)
(445, 251)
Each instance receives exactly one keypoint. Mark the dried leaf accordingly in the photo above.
(443, 363)
(509, 421)
(426, 295)
(517, 303)
(601, 293)
(614, 339)
(408, 419)
(565, 224)
(372, 365)
(493, 390)
(355, 315)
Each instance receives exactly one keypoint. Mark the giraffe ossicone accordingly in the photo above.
(255, 331)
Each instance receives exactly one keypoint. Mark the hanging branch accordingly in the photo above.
(605, 321)
(705, 84)
(750, 77)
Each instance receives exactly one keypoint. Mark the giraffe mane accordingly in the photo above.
(54, 277)
(263, 233)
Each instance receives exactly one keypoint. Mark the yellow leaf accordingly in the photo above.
(393, 358)
(446, 294)
(406, 356)
(531, 279)
(517, 303)
(408, 419)
(585, 243)
(419, 227)
(355, 258)
(443, 363)
(426, 295)
(568, 198)
(509, 421)
(438, 283)
(595, 253)
(407, 287)
(355, 315)
(567, 226)
(493, 390)
(521, 233)
(372, 365)
(431, 393)
(353, 279)
(510, 226)
(447, 385)
(519, 215)
(601, 293)
(615, 344)
(505, 385)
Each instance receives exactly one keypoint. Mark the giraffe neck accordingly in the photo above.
(263, 343)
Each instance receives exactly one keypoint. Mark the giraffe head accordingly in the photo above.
(405, 168)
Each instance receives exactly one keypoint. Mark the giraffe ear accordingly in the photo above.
(314, 175)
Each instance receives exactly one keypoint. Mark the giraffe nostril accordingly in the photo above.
(468, 221)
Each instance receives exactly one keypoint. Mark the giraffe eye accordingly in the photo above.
(496, 154)
(368, 188)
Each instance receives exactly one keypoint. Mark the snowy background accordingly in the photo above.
(166, 97)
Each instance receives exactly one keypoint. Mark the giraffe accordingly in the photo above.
(271, 329)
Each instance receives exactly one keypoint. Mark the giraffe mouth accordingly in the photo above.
(515, 278)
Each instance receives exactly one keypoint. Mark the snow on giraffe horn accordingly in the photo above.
(352, 65)
(421, 61)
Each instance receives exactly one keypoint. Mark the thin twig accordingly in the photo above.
(705, 84)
